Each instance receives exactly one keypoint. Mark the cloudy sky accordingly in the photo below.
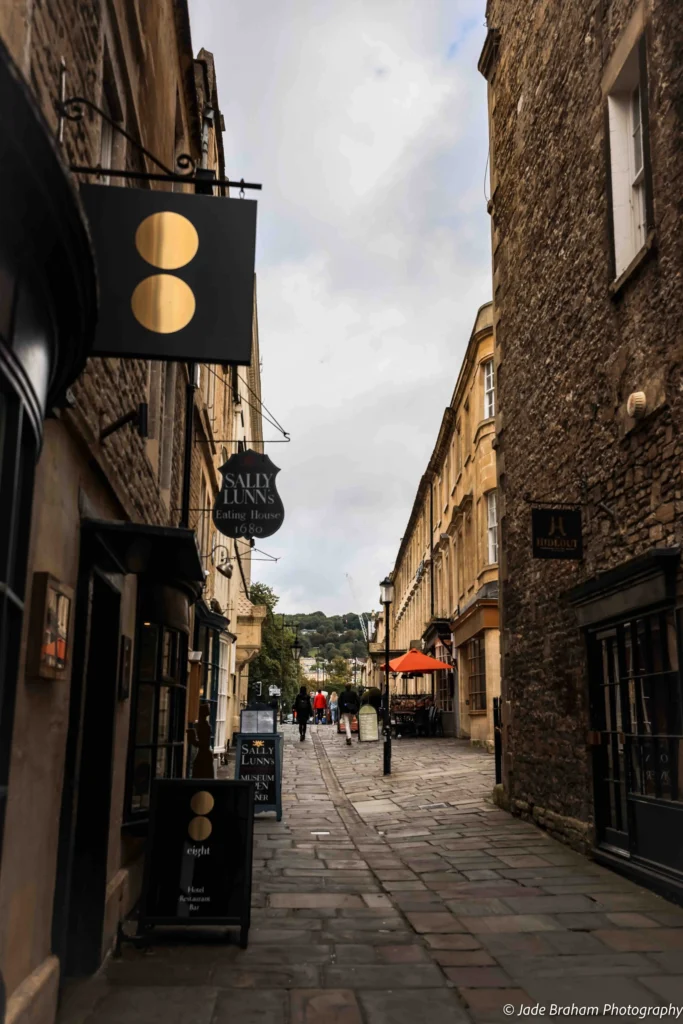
(365, 120)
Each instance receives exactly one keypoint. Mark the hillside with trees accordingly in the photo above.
(332, 639)
(329, 637)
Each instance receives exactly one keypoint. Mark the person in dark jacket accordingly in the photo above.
(348, 707)
(373, 697)
(303, 711)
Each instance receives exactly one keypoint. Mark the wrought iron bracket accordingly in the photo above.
(138, 417)
(238, 440)
(72, 108)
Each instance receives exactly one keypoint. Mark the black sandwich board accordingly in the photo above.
(198, 859)
(258, 759)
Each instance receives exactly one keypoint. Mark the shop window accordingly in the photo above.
(492, 526)
(627, 117)
(17, 458)
(489, 390)
(208, 643)
(477, 674)
(157, 724)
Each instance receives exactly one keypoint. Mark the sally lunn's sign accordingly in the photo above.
(248, 504)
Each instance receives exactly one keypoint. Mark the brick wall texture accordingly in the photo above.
(569, 353)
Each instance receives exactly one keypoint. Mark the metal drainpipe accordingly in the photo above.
(208, 116)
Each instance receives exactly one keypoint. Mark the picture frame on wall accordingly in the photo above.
(49, 637)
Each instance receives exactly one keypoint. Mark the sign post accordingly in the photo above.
(259, 761)
(198, 861)
(368, 727)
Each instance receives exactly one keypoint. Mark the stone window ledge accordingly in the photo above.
(634, 266)
(480, 713)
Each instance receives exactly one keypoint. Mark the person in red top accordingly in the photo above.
(320, 707)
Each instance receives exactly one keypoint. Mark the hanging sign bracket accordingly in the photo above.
(72, 108)
(138, 417)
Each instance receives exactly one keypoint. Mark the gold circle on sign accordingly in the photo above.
(199, 828)
(163, 303)
(202, 802)
(167, 240)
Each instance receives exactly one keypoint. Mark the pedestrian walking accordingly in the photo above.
(348, 707)
(199, 736)
(334, 707)
(303, 710)
(320, 706)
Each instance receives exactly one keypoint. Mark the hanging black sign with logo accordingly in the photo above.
(248, 504)
(175, 274)
(198, 862)
(556, 533)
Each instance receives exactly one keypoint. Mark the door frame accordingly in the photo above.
(79, 957)
(632, 846)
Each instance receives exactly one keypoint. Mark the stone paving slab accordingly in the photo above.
(398, 899)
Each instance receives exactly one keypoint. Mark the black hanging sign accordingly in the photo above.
(248, 504)
(198, 859)
(258, 759)
(556, 533)
(175, 274)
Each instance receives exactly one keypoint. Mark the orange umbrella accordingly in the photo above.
(416, 661)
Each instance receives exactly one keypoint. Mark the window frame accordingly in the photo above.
(476, 663)
(489, 389)
(629, 188)
(220, 741)
(492, 527)
(172, 678)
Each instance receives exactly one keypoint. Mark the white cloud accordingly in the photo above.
(366, 123)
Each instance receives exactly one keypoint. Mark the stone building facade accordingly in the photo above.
(586, 152)
(446, 571)
(97, 700)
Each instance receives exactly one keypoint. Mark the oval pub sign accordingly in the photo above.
(248, 504)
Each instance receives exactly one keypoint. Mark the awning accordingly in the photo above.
(164, 553)
(211, 619)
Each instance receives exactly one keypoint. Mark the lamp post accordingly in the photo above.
(296, 652)
(386, 588)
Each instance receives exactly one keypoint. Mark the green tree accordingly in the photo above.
(274, 664)
(339, 673)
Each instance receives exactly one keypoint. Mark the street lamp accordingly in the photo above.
(386, 596)
(296, 653)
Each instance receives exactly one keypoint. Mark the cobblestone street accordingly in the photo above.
(404, 899)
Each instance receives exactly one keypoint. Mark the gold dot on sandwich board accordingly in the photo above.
(199, 828)
(163, 303)
(167, 240)
(202, 802)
